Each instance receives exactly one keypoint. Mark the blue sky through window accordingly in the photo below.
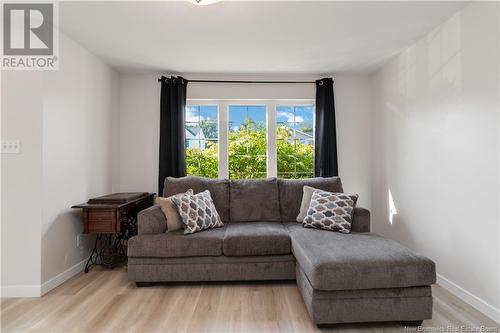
(295, 114)
(238, 114)
(200, 113)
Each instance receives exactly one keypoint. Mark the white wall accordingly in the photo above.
(140, 116)
(138, 133)
(21, 210)
(354, 116)
(79, 102)
(436, 138)
(64, 122)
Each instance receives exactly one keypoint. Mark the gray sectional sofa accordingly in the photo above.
(356, 277)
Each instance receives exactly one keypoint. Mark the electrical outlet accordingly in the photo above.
(11, 146)
(79, 241)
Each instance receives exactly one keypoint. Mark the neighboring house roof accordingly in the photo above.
(192, 133)
(303, 135)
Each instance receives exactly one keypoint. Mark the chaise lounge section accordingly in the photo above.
(360, 277)
(356, 277)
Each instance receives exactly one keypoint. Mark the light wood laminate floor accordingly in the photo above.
(105, 301)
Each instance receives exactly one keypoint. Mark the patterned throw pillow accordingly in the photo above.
(330, 211)
(197, 212)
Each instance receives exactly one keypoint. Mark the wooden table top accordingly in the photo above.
(114, 200)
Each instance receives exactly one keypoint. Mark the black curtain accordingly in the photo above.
(172, 135)
(325, 158)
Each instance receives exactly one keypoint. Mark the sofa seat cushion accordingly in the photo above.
(256, 239)
(335, 261)
(176, 244)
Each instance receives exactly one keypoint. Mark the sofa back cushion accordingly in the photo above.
(219, 190)
(254, 200)
(290, 192)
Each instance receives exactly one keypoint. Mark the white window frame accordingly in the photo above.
(223, 127)
(218, 124)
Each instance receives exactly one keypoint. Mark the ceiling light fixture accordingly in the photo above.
(203, 2)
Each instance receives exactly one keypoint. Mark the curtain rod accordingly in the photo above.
(237, 81)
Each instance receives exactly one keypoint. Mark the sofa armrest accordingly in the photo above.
(361, 220)
(151, 221)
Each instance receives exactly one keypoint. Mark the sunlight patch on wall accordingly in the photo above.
(392, 207)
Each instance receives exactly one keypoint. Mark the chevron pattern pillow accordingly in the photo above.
(330, 211)
(197, 212)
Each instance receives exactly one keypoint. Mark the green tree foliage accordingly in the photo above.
(203, 162)
(295, 156)
(247, 151)
(209, 129)
(247, 154)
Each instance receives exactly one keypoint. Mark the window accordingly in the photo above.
(295, 141)
(250, 139)
(247, 141)
(202, 141)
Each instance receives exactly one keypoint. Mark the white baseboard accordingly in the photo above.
(20, 291)
(39, 290)
(469, 298)
(62, 277)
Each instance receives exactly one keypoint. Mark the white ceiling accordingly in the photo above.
(250, 37)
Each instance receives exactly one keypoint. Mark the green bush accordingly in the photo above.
(247, 155)
(203, 162)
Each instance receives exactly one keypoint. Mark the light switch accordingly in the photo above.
(10, 146)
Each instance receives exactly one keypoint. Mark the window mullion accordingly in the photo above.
(223, 140)
(272, 164)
